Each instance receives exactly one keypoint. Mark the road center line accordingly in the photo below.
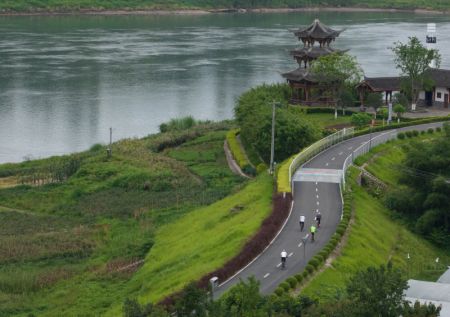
(317, 196)
(317, 210)
(300, 244)
(333, 158)
(317, 189)
(350, 147)
(326, 164)
(279, 264)
(267, 274)
(317, 203)
(340, 153)
(291, 254)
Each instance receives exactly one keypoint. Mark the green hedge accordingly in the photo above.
(283, 185)
(402, 125)
(236, 149)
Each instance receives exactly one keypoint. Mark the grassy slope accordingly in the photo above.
(374, 239)
(74, 234)
(201, 241)
(24, 5)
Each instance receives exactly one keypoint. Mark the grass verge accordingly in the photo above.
(375, 239)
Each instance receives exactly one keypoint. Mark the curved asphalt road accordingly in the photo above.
(308, 197)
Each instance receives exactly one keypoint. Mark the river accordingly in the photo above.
(65, 80)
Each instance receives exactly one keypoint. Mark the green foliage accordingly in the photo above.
(399, 110)
(261, 168)
(107, 212)
(377, 292)
(236, 149)
(374, 100)
(76, 5)
(291, 281)
(413, 60)
(401, 135)
(361, 119)
(345, 100)
(253, 114)
(400, 99)
(179, 124)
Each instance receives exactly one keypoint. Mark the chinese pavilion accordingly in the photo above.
(316, 40)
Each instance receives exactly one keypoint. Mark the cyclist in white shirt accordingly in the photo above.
(283, 258)
(302, 222)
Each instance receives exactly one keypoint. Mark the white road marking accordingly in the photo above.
(317, 189)
(290, 254)
(267, 274)
(300, 244)
(317, 210)
(340, 153)
(279, 264)
(316, 183)
(333, 158)
(326, 164)
(317, 203)
(350, 147)
(317, 196)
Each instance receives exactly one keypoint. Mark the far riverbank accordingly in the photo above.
(216, 11)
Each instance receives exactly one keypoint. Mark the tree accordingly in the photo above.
(399, 110)
(337, 72)
(377, 292)
(374, 100)
(361, 119)
(345, 100)
(194, 302)
(420, 310)
(413, 59)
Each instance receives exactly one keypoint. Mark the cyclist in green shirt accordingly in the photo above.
(313, 231)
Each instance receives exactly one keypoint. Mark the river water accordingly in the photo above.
(65, 80)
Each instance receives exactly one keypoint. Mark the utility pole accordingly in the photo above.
(272, 146)
(109, 150)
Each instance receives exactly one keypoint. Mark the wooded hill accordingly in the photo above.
(77, 5)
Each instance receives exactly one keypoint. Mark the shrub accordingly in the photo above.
(361, 119)
(415, 132)
(318, 258)
(249, 170)
(279, 291)
(408, 134)
(299, 278)
(305, 274)
(324, 254)
(309, 268)
(292, 281)
(422, 132)
(401, 135)
(236, 149)
(340, 231)
(261, 168)
(314, 262)
(430, 130)
(285, 286)
(438, 129)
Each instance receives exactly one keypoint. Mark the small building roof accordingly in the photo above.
(300, 74)
(317, 30)
(441, 77)
(381, 84)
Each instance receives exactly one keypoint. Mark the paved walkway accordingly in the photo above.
(308, 197)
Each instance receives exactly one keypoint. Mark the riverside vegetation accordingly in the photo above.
(76, 228)
(75, 5)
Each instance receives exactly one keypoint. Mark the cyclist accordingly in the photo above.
(302, 222)
(318, 218)
(283, 258)
(313, 231)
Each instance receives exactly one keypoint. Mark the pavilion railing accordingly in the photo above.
(364, 148)
(317, 147)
